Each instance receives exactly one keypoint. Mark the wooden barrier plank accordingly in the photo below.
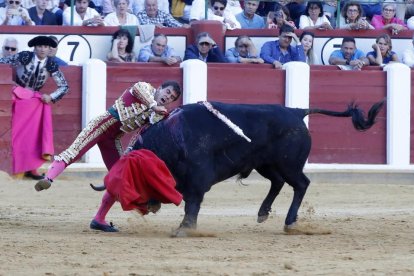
(234, 84)
(334, 139)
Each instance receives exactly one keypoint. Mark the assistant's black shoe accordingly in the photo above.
(31, 175)
(103, 227)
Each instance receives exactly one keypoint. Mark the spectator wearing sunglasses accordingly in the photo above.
(205, 49)
(219, 12)
(41, 15)
(9, 47)
(14, 14)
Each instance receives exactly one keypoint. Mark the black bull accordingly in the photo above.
(200, 150)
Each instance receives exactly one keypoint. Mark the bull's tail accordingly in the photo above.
(98, 188)
(358, 119)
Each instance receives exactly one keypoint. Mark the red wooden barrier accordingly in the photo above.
(242, 83)
(334, 139)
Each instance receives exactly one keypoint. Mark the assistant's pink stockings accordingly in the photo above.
(106, 204)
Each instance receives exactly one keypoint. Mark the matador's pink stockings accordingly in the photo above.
(55, 169)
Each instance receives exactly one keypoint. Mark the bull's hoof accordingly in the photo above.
(292, 229)
(263, 218)
(180, 233)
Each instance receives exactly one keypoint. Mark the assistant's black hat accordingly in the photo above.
(42, 40)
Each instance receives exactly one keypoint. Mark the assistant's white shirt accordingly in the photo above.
(77, 20)
(112, 20)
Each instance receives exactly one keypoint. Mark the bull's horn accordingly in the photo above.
(98, 188)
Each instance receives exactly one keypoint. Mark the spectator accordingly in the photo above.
(243, 52)
(329, 9)
(108, 7)
(121, 16)
(408, 55)
(351, 18)
(205, 49)
(218, 11)
(248, 18)
(349, 55)
(53, 51)
(41, 15)
(97, 5)
(152, 15)
(83, 15)
(181, 9)
(139, 5)
(33, 68)
(370, 7)
(121, 48)
(278, 18)
(15, 15)
(314, 17)
(159, 51)
(307, 38)
(10, 47)
(382, 53)
(54, 7)
(296, 9)
(387, 20)
(280, 52)
(234, 7)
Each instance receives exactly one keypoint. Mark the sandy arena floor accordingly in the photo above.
(48, 233)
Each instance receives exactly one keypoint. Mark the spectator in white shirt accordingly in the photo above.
(83, 15)
(218, 11)
(121, 16)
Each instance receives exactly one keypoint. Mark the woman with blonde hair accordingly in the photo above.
(306, 39)
(382, 53)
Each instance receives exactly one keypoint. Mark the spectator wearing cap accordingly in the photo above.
(10, 47)
(33, 68)
(14, 14)
(41, 15)
(159, 51)
(280, 52)
(205, 49)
